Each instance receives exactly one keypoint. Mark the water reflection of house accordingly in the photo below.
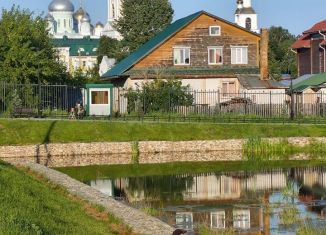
(247, 220)
(232, 186)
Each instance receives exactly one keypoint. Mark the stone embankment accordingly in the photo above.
(138, 221)
(84, 154)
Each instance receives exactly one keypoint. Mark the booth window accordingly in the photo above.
(100, 97)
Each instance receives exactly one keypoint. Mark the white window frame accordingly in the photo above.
(239, 219)
(235, 60)
(184, 48)
(215, 48)
(218, 214)
(214, 26)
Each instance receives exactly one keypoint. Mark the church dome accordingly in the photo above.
(99, 25)
(61, 5)
(86, 18)
(78, 15)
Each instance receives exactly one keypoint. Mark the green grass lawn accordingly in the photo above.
(30, 205)
(15, 132)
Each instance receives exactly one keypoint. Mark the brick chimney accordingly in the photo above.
(264, 54)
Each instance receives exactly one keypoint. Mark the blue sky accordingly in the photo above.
(295, 15)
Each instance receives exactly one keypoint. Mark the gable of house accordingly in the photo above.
(193, 33)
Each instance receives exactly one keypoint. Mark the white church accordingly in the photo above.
(64, 21)
(75, 37)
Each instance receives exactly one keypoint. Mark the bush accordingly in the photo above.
(158, 95)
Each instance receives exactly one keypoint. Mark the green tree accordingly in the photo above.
(112, 48)
(26, 51)
(281, 59)
(143, 19)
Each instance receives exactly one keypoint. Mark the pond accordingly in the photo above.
(259, 200)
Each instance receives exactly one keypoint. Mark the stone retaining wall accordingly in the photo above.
(139, 221)
(83, 154)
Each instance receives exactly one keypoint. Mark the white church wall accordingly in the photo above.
(64, 21)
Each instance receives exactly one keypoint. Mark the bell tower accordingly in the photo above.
(114, 13)
(245, 16)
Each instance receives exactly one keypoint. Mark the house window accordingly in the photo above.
(239, 55)
(100, 97)
(241, 219)
(181, 56)
(184, 220)
(215, 30)
(218, 219)
(228, 89)
(215, 55)
(248, 23)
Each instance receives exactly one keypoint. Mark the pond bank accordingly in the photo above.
(144, 152)
(138, 221)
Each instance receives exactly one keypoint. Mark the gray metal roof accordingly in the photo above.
(61, 5)
(245, 10)
(254, 82)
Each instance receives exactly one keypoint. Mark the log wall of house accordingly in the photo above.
(304, 61)
(196, 35)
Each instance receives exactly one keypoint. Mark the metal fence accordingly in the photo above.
(35, 99)
(58, 100)
(213, 103)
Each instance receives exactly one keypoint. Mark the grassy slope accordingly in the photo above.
(30, 206)
(31, 132)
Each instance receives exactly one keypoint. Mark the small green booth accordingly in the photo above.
(99, 98)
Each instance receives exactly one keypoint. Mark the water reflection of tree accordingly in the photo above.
(161, 188)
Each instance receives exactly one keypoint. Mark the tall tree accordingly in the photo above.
(112, 48)
(281, 59)
(26, 51)
(143, 19)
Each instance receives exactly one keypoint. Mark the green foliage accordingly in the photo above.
(143, 19)
(158, 95)
(281, 59)
(80, 77)
(259, 149)
(205, 230)
(135, 152)
(26, 51)
(111, 48)
(32, 206)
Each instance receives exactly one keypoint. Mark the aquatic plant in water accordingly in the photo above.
(260, 149)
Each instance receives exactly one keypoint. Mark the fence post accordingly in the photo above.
(39, 97)
(270, 104)
(292, 106)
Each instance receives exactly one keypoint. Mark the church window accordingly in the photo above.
(215, 30)
(215, 55)
(64, 23)
(59, 23)
(239, 55)
(181, 55)
(248, 23)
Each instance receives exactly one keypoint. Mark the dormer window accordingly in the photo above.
(215, 31)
